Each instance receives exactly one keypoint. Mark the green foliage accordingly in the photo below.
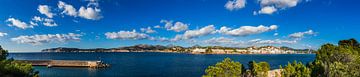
(295, 70)
(258, 69)
(208, 50)
(342, 60)
(334, 61)
(3, 54)
(226, 68)
(10, 68)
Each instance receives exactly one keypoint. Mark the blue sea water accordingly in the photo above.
(148, 64)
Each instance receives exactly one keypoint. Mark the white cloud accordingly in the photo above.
(254, 40)
(157, 26)
(33, 23)
(67, 9)
(271, 6)
(147, 30)
(267, 10)
(177, 26)
(189, 34)
(49, 22)
(125, 35)
(235, 4)
(200, 32)
(279, 3)
(37, 19)
(46, 10)
(45, 21)
(246, 30)
(90, 13)
(276, 34)
(93, 3)
(302, 34)
(18, 23)
(2, 34)
(46, 38)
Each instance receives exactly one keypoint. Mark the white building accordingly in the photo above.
(199, 50)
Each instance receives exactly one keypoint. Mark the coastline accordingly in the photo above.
(173, 52)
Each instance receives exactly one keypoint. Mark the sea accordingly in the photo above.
(150, 64)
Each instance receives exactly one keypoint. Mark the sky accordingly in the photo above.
(33, 25)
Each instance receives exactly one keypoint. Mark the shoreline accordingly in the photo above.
(176, 53)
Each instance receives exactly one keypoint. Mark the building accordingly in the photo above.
(199, 50)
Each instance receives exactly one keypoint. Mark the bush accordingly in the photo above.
(342, 60)
(226, 68)
(258, 69)
(334, 61)
(10, 68)
(295, 70)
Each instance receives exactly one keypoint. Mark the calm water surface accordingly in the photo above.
(148, 64)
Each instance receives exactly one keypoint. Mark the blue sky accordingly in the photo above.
(29, 26)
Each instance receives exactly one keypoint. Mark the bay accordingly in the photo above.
(150, 64)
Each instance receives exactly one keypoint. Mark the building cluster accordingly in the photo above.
(248, 50)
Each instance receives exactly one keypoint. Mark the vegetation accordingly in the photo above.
(258, 69)
(10, 68)
(226, 68)
(295, 69)
(342, 60)
(337, 61)
(208, 50)
(229, 68)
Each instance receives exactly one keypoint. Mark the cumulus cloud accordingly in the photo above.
(147, 30)
(235, 4)
(2, 34)
(279, 3)
(200, 32)
(177, 26)
(90, 13)
(271, 6)
(67, 9)
(18, 23)
(302, 34)
(45, 21)
(126, 35)
(246, 30)
(46, 10)
(46, 38)
(267, 10)
(189, 34)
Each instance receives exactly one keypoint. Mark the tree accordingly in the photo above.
(208, 50)
(3, 54)
(225, 68)
(10, 68)
(258, 69)
(342, 60)
(295, 70)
